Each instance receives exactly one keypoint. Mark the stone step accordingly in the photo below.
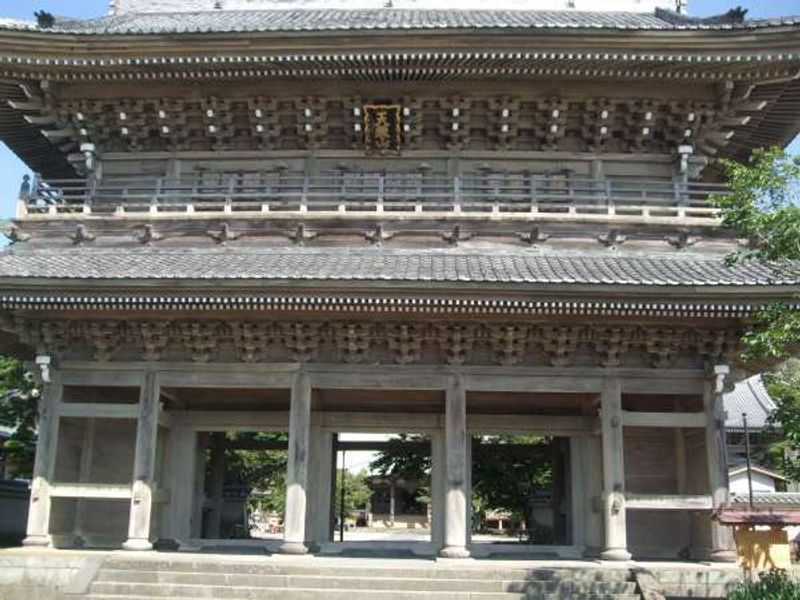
(264, 567)
(361, 582)
(717, 590)
(326, 594)
(108, 578)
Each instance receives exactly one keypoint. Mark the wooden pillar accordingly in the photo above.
(84, 476)
(577, 493)
(721, 536)
(392, 491)
(297, 469)
(616, 546)
(456, 439)
(318, 522)
(681, 486)
(181, 477)
(217, 485)
(468, 489)
(144, 466)
(438, 455)
(38, 530)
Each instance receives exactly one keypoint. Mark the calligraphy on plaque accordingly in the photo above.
(383, 128)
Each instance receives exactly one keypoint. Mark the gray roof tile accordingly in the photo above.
(381, 19)
(783, 499)
(748, 397)
(389, 265)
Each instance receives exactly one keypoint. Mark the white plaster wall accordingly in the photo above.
(761, 483)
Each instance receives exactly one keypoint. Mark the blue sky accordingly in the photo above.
(12, 169)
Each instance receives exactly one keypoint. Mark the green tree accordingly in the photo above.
(18, 411)
(263, 470)
(763, 206)
(507, 471)
(356, 491)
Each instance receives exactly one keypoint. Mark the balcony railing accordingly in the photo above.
(356, 193)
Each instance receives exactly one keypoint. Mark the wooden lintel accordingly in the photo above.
(362, 379)
(545, 424)
(103, 377)
(521, 383)
(663, 419)
(100, 491)
(668, 502)
(212, 420)
(378, 422)
(98, 410)
(280, 376)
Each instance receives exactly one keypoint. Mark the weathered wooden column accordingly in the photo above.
(721, 536)
(294, 522)
(38, 531)
(144, 464)
(616, 545)
(455, 526)
(577, 493)
(438, 454)
(181, 461)
(318, 494)
(392, 491)
(84, 476)
(217, 485)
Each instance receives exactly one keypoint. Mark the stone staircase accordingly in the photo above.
(124, 578)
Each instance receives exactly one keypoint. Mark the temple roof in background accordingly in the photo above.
(749, 397)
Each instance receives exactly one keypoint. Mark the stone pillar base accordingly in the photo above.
(137, 544)
(293, 548)
(723, 556)
(617, 554)
(38, 541)
(454, 552)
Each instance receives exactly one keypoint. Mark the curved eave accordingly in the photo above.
(728, 42)
(213, 287)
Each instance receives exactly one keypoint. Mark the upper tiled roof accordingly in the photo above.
(748, 397)
(382, 19)
(389, 265)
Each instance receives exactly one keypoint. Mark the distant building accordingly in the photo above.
(764, 480)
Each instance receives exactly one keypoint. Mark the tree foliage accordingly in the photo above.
(18, 411)
(508, 471)
(775, 584)
(763, 206)
(356, 491)
(264, 471)
(783, 386)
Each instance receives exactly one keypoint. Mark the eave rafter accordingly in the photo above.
(408, 66)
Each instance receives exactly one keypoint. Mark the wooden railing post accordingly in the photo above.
(532, 190)
(381, 190)
(456, 194)
(609, 197)
(304, 193)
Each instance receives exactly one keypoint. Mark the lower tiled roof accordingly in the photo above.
(338, 264)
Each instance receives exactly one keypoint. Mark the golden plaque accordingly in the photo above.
(383, 128)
